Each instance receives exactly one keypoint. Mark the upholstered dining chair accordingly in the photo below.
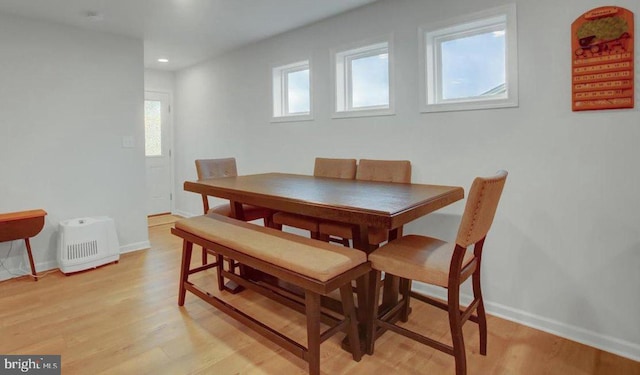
(215, 168)
(226, 167)
(444, 264)
(324, 167)
(398, 171)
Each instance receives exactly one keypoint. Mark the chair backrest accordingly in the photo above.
(214, 168)
(335, 168)
(384, 170)
(480, 209)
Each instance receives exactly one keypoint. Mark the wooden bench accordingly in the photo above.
(317, 268)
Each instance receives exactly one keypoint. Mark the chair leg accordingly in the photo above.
(187, 248)
(312, 303)
(482, 317)
(405, 289)
(455, 324)
(220, 267)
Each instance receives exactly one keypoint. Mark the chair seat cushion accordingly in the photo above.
(311, 258)
(376, 235)
(223, 209)
(417, 258)
(296, 221)
(250, 212)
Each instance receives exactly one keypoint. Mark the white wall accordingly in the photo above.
(67, 97)
(564, 252)
(159, 81)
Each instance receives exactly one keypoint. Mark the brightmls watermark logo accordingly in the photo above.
(30, 364)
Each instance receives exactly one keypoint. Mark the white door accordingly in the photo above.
(157, 145)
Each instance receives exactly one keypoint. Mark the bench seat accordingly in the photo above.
(313, 266)
(287, 250)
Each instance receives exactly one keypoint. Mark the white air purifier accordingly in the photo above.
(87, 243)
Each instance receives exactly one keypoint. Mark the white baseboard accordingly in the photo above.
(20, 271)
(135, 247)
(603, 342)
(53, 264)
(183, 213)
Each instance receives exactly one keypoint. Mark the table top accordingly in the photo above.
(21, 225)
(379, 204)
(21, 215)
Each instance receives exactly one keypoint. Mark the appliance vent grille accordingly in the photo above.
(82, 250)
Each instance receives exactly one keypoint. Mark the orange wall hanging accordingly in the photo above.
(602, 59)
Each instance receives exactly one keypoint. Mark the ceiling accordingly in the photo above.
(183, 31)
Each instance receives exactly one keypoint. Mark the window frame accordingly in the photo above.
(431, 38)
(280, 92)
(342, 59)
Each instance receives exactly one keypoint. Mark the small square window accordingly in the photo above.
(292, 92)
(297, 89)
(471, 63)
(473, 66)
(363, 78)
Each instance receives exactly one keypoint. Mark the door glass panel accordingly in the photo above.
(152, 128)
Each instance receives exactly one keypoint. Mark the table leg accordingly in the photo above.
(390, 291)
(236, 210)
(33, 267)
(360, 235)
(230, 286)
(391, 283)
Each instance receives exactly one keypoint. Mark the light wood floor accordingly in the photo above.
(124, 319)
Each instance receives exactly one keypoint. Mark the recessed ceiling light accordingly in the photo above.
(163, 60)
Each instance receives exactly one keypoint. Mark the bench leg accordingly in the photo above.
(348, 307)
(187, 248)
(312, 303)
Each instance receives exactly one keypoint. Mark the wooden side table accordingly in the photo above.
(22, 225)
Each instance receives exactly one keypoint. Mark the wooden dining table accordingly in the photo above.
(361, 204)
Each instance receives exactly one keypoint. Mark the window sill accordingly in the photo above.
(364, 113)
(293, 118)
(469, 106)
